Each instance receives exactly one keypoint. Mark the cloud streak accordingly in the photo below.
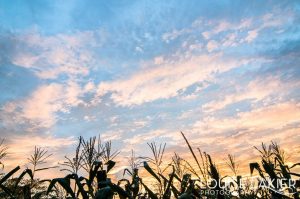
(50, 56)
(166, 80)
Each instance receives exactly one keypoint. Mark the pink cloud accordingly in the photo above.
(165, 81)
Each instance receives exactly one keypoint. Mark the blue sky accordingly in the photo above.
(224, 72)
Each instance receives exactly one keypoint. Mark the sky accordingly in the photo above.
(226, 73)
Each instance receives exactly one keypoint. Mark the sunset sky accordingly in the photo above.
(226, 73)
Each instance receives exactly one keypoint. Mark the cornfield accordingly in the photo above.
(179, 179)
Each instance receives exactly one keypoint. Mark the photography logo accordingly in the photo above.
(280, 186)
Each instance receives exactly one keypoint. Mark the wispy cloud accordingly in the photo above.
(266, 118)
(155, 135)
(165, 81)
(51, 56)
(269, 88)
(41, 107)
